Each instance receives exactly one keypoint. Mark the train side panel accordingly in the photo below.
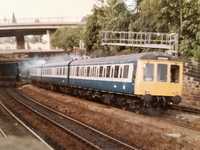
(102, 83)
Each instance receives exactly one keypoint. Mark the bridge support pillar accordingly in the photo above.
(20, 41)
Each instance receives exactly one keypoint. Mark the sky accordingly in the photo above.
(72, 9)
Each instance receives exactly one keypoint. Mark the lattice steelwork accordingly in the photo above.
(140, 39)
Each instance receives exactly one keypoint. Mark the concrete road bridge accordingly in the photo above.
(33, 26)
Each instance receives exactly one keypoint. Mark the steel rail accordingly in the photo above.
(93, 137)
(185, 109)
(25, 126)
(3, 134)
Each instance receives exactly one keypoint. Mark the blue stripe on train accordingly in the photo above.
(110, 86)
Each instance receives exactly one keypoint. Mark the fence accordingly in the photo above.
(191, 91)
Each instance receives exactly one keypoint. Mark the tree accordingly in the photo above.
(190, 38)
(92, 29)
(113, 16)
(167, 16)
(67, 38)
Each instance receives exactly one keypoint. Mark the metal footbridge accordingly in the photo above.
(168, 41)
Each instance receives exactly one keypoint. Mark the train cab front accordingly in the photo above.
(159, 81)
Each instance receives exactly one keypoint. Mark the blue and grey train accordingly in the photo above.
(145, 79)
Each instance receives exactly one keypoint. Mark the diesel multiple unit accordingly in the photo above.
(146, 79)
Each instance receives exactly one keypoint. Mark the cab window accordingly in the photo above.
(148, 72)
(162, 73)
(175, 69)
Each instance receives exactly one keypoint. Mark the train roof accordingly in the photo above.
(62, 63)
(131, 58)
(122, 59)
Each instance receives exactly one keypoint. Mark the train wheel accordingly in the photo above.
(147, 101)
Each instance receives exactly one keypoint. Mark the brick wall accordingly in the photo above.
(191, 89)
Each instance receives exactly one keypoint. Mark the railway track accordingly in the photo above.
(185, 109)
(92, 137)
(4, 135)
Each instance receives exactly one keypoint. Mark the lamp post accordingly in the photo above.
(180, 17)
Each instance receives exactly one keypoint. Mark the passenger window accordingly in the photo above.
(90, 74)
(77, 71)
(60, 71)
(121, 71)
(101, 72)
(108, 72)
(73, 73)
(95, 71)
(116, 72)
(88, 71)
(82, 71)
(162, 73)
(126, 71)
(148, 72)
(175, 69)
(104, 72)
(57, 71)
(112, 72)
(66, 70)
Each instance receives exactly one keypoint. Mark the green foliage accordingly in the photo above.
(92, 29)
(66, 38)
(179, 16)
(190, 35)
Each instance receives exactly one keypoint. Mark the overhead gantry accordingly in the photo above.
(168, 41)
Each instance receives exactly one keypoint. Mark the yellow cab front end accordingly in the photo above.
(159, 77)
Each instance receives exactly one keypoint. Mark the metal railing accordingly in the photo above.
(57, 20)
(140, 39)
(15, 51)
